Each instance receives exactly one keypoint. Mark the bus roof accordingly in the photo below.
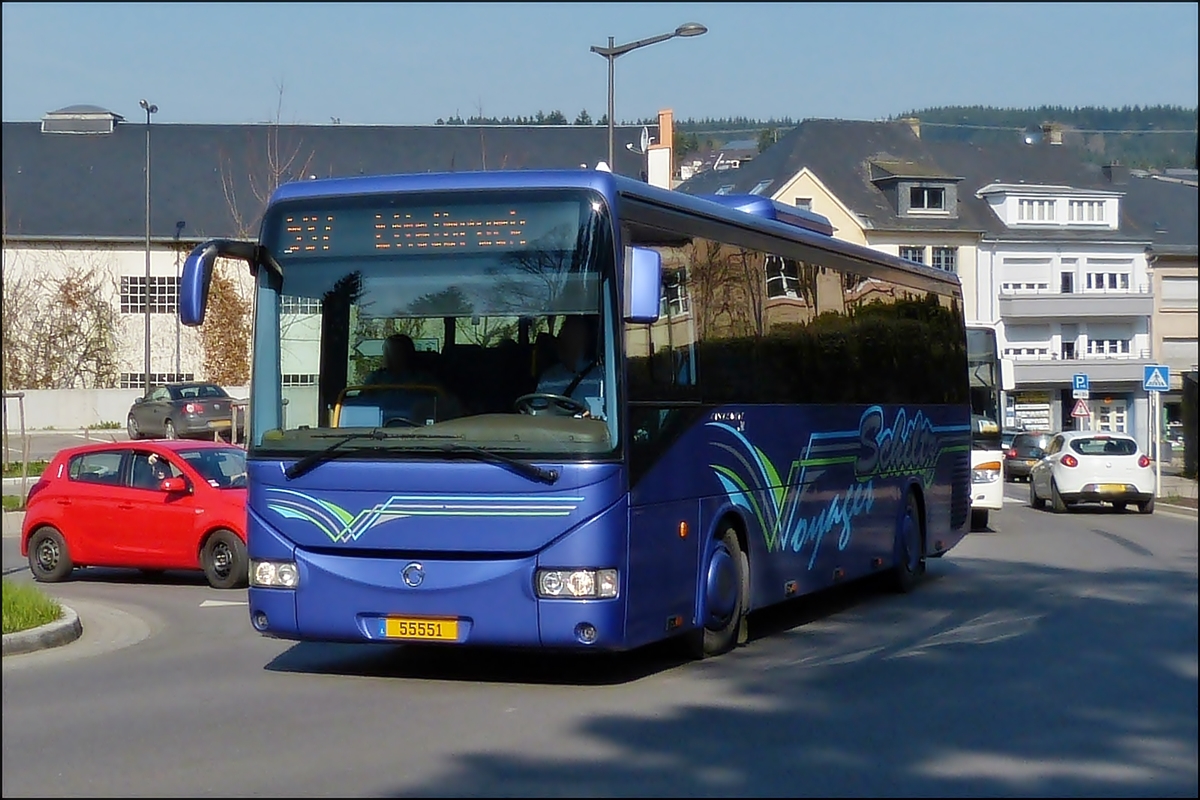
(775, 218)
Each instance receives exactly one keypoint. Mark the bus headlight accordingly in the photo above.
(988, 472)
(576, 583)
(274, 574)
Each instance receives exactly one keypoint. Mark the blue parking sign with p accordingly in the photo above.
(1080, 383)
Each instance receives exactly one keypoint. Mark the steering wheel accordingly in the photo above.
(396, 422)
(525, 403)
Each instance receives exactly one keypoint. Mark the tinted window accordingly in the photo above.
(103, 468)
(1104, 446)
(1026, 443)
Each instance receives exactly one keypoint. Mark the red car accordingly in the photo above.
(151, 506)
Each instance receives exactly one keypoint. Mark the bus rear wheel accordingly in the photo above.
(725, 588)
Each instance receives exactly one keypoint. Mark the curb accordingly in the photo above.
(63, 630)
(1183, 511)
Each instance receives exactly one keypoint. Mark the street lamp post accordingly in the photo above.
(612, 51)
(149, 108)
(178, 280)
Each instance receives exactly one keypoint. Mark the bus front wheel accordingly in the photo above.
(910, 550)
(725, 588)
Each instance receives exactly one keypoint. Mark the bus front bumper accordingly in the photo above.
(344, 598)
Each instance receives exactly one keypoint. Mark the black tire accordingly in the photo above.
(224, 560)
(1120, 506)
(1147, 507)
(719, 636)
(131, 427)
(1057, 504)
(910, 547)
(979, 519)
(1034, 500)
(49, 560)
(169, 430)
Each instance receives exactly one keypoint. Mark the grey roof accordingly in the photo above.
(93, 186)
(841, 154)
(855, 159)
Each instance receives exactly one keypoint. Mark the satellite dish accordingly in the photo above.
(645, 141)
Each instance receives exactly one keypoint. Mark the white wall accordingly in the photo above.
(114, 261)
(73, 409)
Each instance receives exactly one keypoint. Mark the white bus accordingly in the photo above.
(989, 374)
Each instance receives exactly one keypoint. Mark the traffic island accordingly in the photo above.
(63, 630)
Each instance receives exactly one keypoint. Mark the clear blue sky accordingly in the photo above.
(413, 63)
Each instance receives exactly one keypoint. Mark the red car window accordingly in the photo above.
(103, 467)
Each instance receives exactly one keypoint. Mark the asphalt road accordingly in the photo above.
(1052, 655)
(44, 444)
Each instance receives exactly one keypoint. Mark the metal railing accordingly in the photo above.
(241, 409)
(1140, 355)
(1051, 291)
(20, 398)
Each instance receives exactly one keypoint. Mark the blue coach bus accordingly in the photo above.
(565, 409)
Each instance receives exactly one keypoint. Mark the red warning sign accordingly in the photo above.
(1081, 409)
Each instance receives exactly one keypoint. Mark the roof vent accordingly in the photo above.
(767, 208)
(81, 119)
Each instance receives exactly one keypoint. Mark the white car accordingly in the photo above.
(1089, 467)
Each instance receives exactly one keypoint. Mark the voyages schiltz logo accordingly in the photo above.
(910, 445)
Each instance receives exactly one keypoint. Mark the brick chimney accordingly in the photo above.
(1052, 133)
(1116, 172)
(659, 163)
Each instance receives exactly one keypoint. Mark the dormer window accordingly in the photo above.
(1085, 211)
(927, 198)
(1035, 210)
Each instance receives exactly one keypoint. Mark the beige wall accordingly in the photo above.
(1173, 320)
(966, 258)
(806, 184)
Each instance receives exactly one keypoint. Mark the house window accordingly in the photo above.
(675, 301)
(927, 198)
(783, 277)
(291, 304)
(1067, 285)
(1026, 352)
(1035, 210)
(1029, 287)
(1108, 281)
(758, 187)
(804, 203)
(725, 189)
(1108, 347)
(945, 258)
(1085, 211)
(137, 380)
(163, 294)
(916, 254)
(1068, 350)
(298, 379)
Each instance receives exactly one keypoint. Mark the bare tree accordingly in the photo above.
(282, 162)
(59, 326)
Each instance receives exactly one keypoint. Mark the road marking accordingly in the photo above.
(214, 603)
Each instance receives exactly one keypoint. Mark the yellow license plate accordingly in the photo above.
(219, 423)
(438, 630)
(1114, 488)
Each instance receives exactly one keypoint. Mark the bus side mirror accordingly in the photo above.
(194, 283)
(643, 285)
(198, 270)
(1008, 380)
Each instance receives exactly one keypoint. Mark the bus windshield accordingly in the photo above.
(455, 321)
(983, 367)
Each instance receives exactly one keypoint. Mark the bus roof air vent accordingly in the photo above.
(767, 208)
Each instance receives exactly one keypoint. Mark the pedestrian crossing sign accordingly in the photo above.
(1156, 378)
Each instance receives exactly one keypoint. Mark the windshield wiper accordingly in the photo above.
(309, 462)
(532, 471)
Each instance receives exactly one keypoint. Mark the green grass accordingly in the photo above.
(12, 502)
(107, 426)
(26, 606)
(13, 470)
